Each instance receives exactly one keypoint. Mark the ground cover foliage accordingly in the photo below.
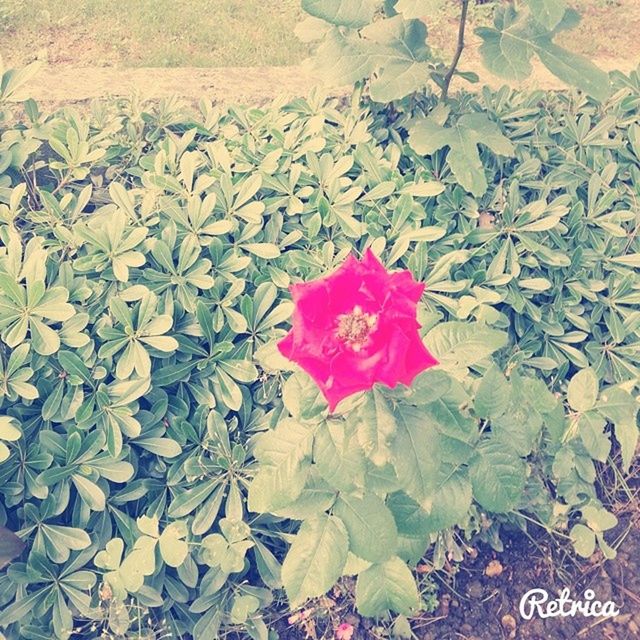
(157, 450)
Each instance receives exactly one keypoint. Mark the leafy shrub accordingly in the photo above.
(143, 280)
(385, 42)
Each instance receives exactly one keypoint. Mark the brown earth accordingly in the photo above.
(55, 86)
(487, 608)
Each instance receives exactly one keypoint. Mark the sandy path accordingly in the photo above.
(249, 85)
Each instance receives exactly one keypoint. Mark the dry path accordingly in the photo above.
(248, 85)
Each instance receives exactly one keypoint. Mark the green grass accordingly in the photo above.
(163, 33)
(219, 33)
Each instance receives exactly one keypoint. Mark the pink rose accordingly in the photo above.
(357, 327)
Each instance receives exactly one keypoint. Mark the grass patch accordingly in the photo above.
(219, 33)
(151, 33)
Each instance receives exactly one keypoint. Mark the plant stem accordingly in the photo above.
(458, 53)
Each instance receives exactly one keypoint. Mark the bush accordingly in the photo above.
(143, 281)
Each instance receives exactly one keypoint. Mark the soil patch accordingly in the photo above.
(487, 608)
(59, 85)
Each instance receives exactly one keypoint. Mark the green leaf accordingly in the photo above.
(463, 344)
(621, 408)
(387, 587)
(265, 250)
(493, 395)
(415, 454)
(376, 427)
(598, 518)
(337, 455)
(72, 364)
(591, 429)
(173, 548)
(187, 501)
(111, 556)
(582, 391)
(90, 492)
(316, 558)
(547, 12)
(274, 488)
(451, 502)
(508, 47)
(394, 49)
(401, 55)
(370, 525)
(451, 421)
(303, 398)
(317, 496)
(497, 476)
(285, 453)
(343, 58)
(584, 540)
(346, 13)
(163, 447)
(426, 136)
(288, 444)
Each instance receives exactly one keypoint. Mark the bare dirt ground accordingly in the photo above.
(250, 85)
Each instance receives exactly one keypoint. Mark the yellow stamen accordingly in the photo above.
(354, 328)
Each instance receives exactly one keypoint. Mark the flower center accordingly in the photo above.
(354, 328)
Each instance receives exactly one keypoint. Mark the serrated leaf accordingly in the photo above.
(591, 429)
(621, 408)
(316, 558)
(415, 454)
(582, 391)
(462, 344)
(376, 427)
(493, 395)
(337, 455)
(303, 398)
(387, 587)
(497, 476)
(316, 497)
(285, 454)
(370, 525)
(451, 501)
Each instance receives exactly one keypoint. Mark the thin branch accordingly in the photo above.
(458, 53)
